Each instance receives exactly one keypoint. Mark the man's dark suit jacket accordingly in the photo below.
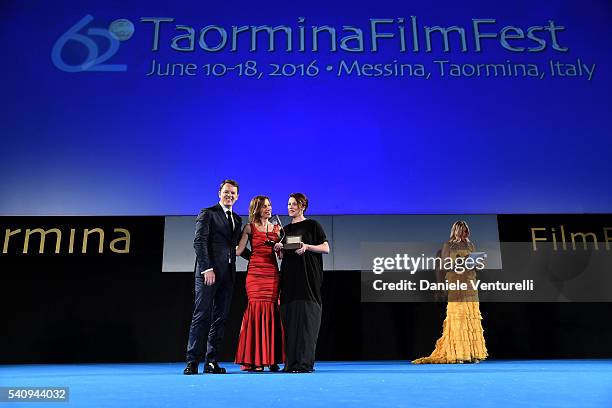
(215, 244)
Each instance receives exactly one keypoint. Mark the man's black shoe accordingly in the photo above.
(191, 369)
(213, 368)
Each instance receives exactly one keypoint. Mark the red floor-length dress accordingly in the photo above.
(261, 341)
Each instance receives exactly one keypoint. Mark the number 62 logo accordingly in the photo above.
(94, 62)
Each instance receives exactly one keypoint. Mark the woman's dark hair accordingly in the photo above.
(301, 199)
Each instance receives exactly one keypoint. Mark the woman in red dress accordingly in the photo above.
(261, 341)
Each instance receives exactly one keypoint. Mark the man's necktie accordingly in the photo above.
(229, 219)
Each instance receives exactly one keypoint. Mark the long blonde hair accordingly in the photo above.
(459, 229)
(254, 208)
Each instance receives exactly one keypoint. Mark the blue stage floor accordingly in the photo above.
(551, 383)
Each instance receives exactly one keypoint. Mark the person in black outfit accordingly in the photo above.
(216, 236)
(300, 287)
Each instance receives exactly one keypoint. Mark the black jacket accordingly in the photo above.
(214, 244)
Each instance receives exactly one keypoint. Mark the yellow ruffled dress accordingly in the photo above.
(462, 338)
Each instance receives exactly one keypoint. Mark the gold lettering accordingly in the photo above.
(608, 238)
(43, 233)
(554, 237)
(7, 236)
(126, 239)
(534, 239)
(87, 232)
(584, 239)
(71, 242)
(563, 238)
(121, 243)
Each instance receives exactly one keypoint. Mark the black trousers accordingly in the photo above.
(301, 323)
(210, 311)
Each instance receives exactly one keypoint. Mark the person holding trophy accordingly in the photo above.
(301, 280)
(260, 343)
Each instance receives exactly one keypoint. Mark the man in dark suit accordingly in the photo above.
(216, 236)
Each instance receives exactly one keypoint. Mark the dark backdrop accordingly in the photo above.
(122, 308)
(99, 318)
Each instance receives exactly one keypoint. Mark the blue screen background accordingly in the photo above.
(106, 143)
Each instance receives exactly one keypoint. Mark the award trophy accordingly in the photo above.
(293, 242)
(275, 220)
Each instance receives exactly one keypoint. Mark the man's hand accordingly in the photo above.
(278, 246)
(209, 277)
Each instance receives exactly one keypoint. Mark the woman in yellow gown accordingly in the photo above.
(462, 338)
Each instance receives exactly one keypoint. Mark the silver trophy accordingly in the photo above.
(275, 220)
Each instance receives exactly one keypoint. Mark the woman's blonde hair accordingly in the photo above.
(255, 207)
(459, 229)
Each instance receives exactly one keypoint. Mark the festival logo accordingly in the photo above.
(96, 57)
